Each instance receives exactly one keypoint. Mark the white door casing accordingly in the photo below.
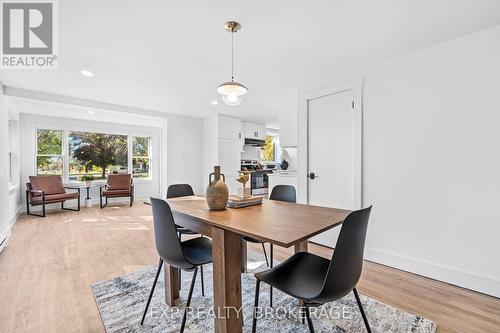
(330, 145)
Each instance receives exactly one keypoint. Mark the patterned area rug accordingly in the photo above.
(121, 302)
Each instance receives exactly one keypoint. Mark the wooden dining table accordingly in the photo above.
(280, 223)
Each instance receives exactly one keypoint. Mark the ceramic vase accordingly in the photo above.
(284, 165)
(217, 193)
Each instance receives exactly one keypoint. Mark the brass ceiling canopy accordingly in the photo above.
(232, 26)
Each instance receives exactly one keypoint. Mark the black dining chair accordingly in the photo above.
(281, 193)
(187, 255)
(315, 280)
(184, 190)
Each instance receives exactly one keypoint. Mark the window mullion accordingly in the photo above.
(129, 154)
(65, 155)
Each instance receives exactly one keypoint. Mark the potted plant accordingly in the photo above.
(87, 179)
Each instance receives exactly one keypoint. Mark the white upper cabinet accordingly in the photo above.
(230, 128)
(255, 131)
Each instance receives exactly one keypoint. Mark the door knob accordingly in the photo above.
(311, 176)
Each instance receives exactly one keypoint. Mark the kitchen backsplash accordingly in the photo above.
(250, 153)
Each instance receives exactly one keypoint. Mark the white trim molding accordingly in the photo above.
(484, 284)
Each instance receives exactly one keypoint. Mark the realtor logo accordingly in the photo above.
(28, 34)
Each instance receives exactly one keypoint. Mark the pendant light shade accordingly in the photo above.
(231, 99)
(232, 87)
(232, 91)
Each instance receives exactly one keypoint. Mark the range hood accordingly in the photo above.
(255, 142)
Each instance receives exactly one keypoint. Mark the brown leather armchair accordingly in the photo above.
(118, 186)
(42, 190)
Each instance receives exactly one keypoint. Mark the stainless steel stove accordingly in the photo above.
(259, 182)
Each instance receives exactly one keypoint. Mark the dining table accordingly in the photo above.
(277, 222)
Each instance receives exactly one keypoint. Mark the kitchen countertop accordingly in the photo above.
(284, 173)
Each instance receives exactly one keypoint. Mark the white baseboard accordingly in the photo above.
(451, 275)
(15, 216)
(4, 238)
(5, 234)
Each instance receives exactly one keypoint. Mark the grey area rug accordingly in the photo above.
(121, 302)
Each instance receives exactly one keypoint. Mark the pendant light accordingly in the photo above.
(232, 91)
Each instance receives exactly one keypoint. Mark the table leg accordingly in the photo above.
(301, 247)
(171, 284)
(244, 256)
(226, 252)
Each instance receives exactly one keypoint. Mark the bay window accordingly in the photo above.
(80, 155)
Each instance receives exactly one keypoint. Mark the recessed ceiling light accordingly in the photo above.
(90, 112)
(214, 102)
(85, 72)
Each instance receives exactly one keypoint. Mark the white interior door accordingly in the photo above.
(332, 156)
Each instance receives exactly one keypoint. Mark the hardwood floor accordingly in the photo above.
(49, 264)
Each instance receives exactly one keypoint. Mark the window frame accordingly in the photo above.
(66, 157)
(62, 155)
(131, 156)
(277, 150)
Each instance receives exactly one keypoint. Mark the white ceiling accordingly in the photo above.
(169, 56)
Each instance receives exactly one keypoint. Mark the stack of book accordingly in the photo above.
(239, 202)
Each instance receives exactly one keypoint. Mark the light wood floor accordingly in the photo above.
(49, 264)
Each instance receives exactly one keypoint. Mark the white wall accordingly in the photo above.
(14, 185)
(431, 164)
(184, 151)
(4, 176)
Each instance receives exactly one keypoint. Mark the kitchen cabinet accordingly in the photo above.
(222, 145)
(282, 178)
(241, 136)
(255, 131)
(229, 128)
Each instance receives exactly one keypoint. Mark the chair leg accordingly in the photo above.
(179, 235)
(265, 254)
(358, 300)
(256, 304)
(32, 214)
(202, 283)
(271, 254)
(308, 317)
(188, 300)
(160, 264)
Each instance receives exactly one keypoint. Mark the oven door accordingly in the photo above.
(259, 183)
